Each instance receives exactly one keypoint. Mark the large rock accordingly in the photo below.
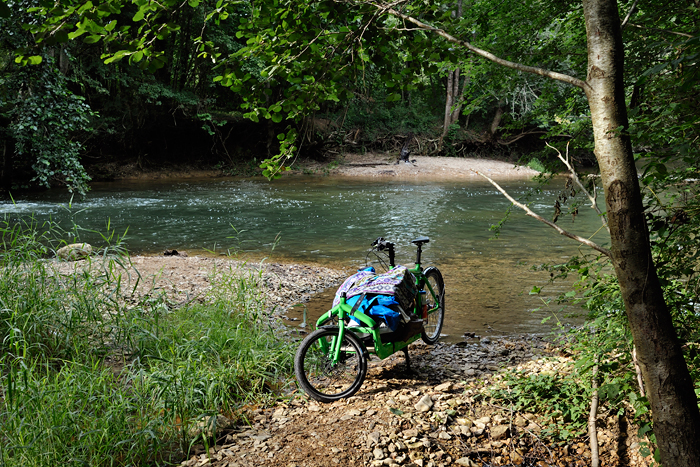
(74, 251)
(424, 404)
(500, 432)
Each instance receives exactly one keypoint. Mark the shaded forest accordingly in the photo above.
(66, 105)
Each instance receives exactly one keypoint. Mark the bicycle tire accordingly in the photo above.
(318, 377)
(433, 324)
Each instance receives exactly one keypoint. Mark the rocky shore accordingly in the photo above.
(437, 413)
(184, 278)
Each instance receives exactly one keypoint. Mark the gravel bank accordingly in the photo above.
(435, 414)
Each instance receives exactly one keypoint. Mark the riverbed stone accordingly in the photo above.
(444, 387)
(424, 404)
(466, 462)
(500, 432)
(74, 251)
(378, 453)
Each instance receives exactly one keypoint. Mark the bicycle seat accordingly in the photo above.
(420, 240)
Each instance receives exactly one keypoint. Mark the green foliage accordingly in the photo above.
(562, 398)
(378, 120)
(93, 374)
(47, 122)
(536, 165)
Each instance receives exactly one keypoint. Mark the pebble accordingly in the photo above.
(424, 404)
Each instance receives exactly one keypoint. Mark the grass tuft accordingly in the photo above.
(93, 374)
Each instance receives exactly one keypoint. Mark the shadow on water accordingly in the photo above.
(332, 221)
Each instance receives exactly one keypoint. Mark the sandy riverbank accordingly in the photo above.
(369, 165)
(427, 168)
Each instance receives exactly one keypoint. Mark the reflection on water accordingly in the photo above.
(333, 221)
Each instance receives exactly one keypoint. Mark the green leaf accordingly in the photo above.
(110, 26)
(139, 15)
(77, 33)
(136, 57)
(87, 6)
(116, 57)
(34, 59)
(396, 411)
(92, 39)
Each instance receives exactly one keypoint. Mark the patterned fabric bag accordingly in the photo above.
(398, 282)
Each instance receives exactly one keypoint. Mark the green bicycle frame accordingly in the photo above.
(369, 325)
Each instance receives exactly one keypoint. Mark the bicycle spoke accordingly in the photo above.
(329, 378)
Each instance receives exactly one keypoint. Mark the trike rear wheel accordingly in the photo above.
(432, 325)
(318, 376)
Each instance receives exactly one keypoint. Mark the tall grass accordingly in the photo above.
(92, 374)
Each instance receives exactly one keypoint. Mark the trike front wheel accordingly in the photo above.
(432, 325)
(319, 376)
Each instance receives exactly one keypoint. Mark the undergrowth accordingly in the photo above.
(93, 373)
(562, 399)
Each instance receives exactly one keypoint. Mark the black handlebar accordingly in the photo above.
(382, 245)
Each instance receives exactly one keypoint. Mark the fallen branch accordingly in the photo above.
(530, 213)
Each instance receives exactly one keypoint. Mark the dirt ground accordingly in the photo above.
(433, 413)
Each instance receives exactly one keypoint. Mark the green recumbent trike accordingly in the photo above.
(372, 313)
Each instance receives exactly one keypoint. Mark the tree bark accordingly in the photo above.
(669, 386)
(449, 100)
(453, 105)
(497, 117)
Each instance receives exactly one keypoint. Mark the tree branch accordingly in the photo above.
(592, 197)
(683, 34)
(483, 53)
(530, 213)
(629, 14)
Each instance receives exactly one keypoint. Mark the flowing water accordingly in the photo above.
(332, 221)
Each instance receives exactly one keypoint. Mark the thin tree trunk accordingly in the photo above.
(497, 117)
(449, 100)
(6, 167)
(592, 418)
(457, 95)
(453, 94)
(669, 387)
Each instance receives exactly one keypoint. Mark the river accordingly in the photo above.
(332, 221)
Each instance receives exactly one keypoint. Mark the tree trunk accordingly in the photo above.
(6, 163)
(457, 97)
(453, 98)
(669, 386)
(449, 101)
(498, 116)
